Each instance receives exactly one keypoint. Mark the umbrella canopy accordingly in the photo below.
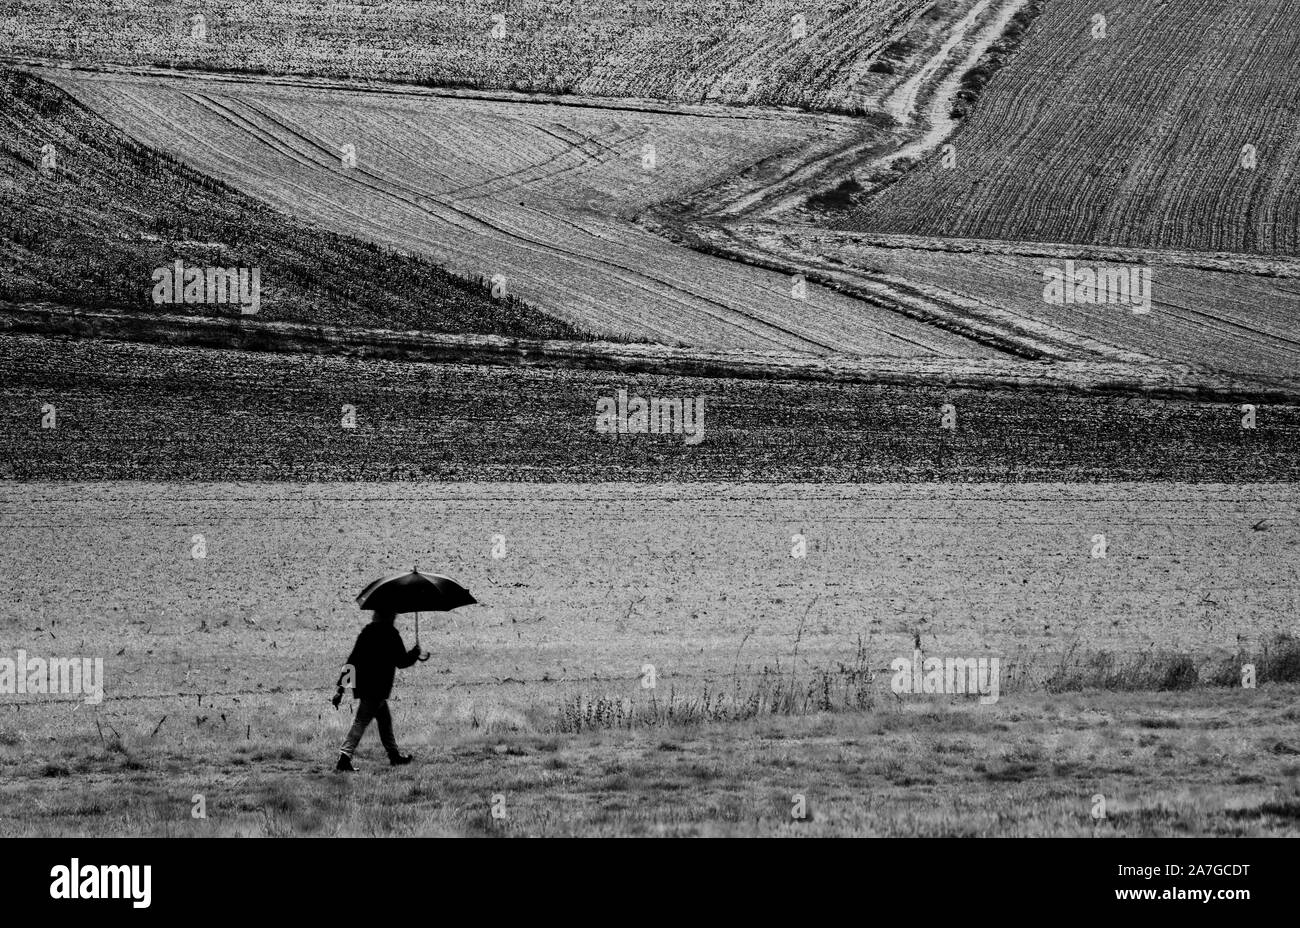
(414, 592)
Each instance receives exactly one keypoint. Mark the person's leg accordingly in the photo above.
(384, 719)
(365, 712)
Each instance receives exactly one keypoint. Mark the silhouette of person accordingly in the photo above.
(373, 663)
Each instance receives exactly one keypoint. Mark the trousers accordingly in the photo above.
(368, 709)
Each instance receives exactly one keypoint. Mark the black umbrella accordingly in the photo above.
(414, 592)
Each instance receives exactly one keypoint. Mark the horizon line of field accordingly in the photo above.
(976, 525)
(806, 528)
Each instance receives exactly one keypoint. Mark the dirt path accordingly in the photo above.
(937, 119)
(919, 133)
(901, 104)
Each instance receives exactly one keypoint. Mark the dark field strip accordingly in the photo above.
(129, 411)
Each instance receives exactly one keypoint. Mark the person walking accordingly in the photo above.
(373, 663)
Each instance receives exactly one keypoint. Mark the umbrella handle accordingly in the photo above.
(422, 657)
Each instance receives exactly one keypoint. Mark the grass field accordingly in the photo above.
(218, 670)
(1136, 139)
(1210, 763)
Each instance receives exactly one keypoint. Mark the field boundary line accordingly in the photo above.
(1258, 265)
(1164, 381)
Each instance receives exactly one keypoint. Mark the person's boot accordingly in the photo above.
(345, 764)
(397, 758)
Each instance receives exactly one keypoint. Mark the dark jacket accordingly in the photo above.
(375, 657)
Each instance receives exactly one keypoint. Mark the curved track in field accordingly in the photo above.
(541, 194)
(921, 107)
(1220, 310)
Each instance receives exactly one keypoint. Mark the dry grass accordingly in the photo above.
(1276, 660)
(728, 761)
(770, 691)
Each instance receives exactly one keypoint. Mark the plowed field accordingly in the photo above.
(1134, 139)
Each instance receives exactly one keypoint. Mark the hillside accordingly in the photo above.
(92, 231)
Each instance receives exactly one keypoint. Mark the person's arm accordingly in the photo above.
(404, 658)
(339, 689)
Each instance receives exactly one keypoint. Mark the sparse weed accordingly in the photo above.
(770, 691)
